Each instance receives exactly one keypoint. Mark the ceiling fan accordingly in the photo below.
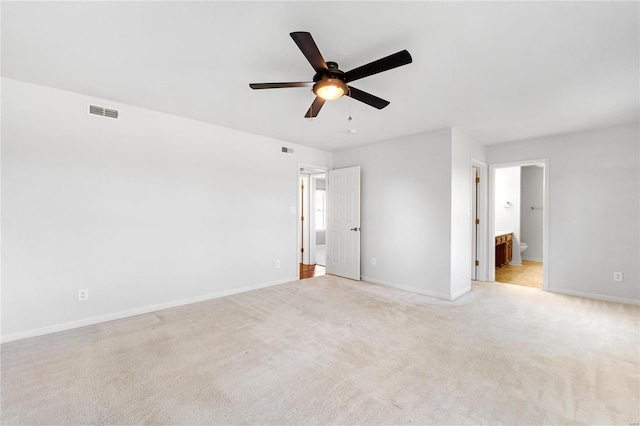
(330, 82)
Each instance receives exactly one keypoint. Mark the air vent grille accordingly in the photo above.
(105, 112)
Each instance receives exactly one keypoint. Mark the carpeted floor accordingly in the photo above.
(528, 275)
(333, 351)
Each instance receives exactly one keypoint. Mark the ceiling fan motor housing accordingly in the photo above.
(331, 71)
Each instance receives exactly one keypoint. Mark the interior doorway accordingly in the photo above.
(478, 216)
(311, 221)
(320, 218)
(475, 221)
(519, 222)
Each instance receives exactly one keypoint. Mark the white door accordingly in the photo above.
(343, 223)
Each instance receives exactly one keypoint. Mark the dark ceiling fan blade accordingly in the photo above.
(280, 85)
(314, 109)
(309, 49)
(367, 98)
(387, 63)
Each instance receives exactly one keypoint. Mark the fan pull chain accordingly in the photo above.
(349, 94)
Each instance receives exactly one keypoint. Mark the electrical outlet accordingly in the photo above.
(277, 264)
(498, 219)
(292, 209)
(617, 276)
(373, 261)
(83, 294)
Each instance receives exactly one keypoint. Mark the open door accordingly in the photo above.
(343, 223)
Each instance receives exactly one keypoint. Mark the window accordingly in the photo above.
(321, 218)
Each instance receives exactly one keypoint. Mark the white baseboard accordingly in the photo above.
(535, 259)
(133, 312)
(595, 296)
(408, 288)
(454, 296)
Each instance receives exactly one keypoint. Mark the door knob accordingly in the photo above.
(355, 229)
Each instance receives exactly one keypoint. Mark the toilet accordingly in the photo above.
(523, 247)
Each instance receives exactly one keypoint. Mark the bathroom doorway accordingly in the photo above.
(519, 219)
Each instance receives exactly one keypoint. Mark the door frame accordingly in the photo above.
(490, 241)
(316, 170)
(304, 227)
(483, 229)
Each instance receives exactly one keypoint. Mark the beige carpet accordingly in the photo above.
(333, 351)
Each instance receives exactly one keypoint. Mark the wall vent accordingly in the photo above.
(287, 150)
(105, 112)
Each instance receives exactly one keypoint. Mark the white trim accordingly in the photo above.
(545, 217)
(460, 293)
(305, 255)
(408, 288)
(595, 296)
(483, 216)
(534, 259)
(137, 311)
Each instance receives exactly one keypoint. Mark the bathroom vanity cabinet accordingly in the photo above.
(504, 249)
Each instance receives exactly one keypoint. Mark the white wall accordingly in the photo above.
(461, 221)
(594, 208)
(532, 194)
(507, 189)
(146, 210)
(406, 211)
(416, 200)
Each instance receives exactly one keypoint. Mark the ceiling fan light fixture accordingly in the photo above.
(330, 88)
(330, 82)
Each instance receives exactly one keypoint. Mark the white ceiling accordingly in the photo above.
(498, 71)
